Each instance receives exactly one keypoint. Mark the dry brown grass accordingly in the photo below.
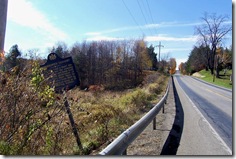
(31, 127)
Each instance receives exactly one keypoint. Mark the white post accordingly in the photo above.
(3, 22)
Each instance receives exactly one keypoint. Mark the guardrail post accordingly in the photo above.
(154, 123)
(163, 109)
(125, 152)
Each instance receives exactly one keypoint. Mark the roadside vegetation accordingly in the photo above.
(223, 80)
(33, 117)
(34, 120)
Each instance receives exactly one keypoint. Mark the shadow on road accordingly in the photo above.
(172, 143)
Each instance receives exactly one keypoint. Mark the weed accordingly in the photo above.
(33, 119)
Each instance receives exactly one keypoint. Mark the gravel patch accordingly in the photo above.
(196, 74)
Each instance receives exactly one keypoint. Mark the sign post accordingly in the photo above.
(62, 75)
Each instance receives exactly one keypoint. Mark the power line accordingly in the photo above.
(132, 17)
(143, 15)
(142, 11)
(149, 11)
(151, 14)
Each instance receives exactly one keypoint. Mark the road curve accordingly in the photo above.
(207, 110)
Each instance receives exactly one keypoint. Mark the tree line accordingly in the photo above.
(114, 64)
(197, 60)
(33, 117)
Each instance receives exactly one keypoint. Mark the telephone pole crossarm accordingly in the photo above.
(159, 50)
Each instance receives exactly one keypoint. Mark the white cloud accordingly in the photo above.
(147, 26)
(179, 60)
(169, 38)
(93, 33)
(103, 38)
(160, 37)
(111, 30)
(25, 14)
(176, 49)
(171, 24)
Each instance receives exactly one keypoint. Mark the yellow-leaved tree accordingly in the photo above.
(172, 66)
(182, 68)
(1, 57)
(141, 59)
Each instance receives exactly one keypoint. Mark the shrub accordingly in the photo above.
(33, 119)
(24, 120)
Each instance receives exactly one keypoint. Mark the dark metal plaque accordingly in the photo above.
(60, 72)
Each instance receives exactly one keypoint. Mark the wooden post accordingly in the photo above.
(72, 122)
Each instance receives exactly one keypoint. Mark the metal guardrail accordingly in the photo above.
(120, 144)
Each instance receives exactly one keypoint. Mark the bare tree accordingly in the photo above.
(163, 66)
(211, 33)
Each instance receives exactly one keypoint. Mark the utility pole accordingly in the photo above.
(159, 53)
(3, 22)
(160, 50)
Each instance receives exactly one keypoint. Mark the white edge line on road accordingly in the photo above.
(204, 119)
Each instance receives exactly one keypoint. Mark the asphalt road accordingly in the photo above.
(207, 128)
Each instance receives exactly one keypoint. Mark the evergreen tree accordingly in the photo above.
(12, 58)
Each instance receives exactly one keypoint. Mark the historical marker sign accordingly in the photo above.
(61, 72)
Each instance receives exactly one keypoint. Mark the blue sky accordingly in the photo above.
(40, 24)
